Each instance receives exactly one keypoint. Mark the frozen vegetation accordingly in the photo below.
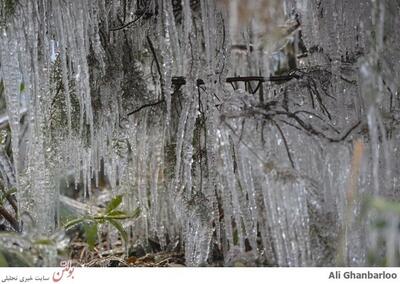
(259, 132)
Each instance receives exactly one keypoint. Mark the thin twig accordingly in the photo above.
(145, 106)
(153, 51)
(131, 22)
(284, 142)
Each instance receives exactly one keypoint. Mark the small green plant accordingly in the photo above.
(111, 215)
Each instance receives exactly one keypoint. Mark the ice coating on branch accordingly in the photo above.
(247, 129)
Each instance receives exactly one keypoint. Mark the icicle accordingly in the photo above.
(12, 82)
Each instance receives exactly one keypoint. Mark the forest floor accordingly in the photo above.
(81, 255)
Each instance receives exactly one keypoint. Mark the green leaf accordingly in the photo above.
(45, 242)
(11, 192)
(100, 219)
(114, 203)
(3, 260)
(6, 194)
(235, 237)
(1, 87)
(91, 234)
(21, 87)
(121, 230)
(117, 213)
(136, 213)
(73, 222)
